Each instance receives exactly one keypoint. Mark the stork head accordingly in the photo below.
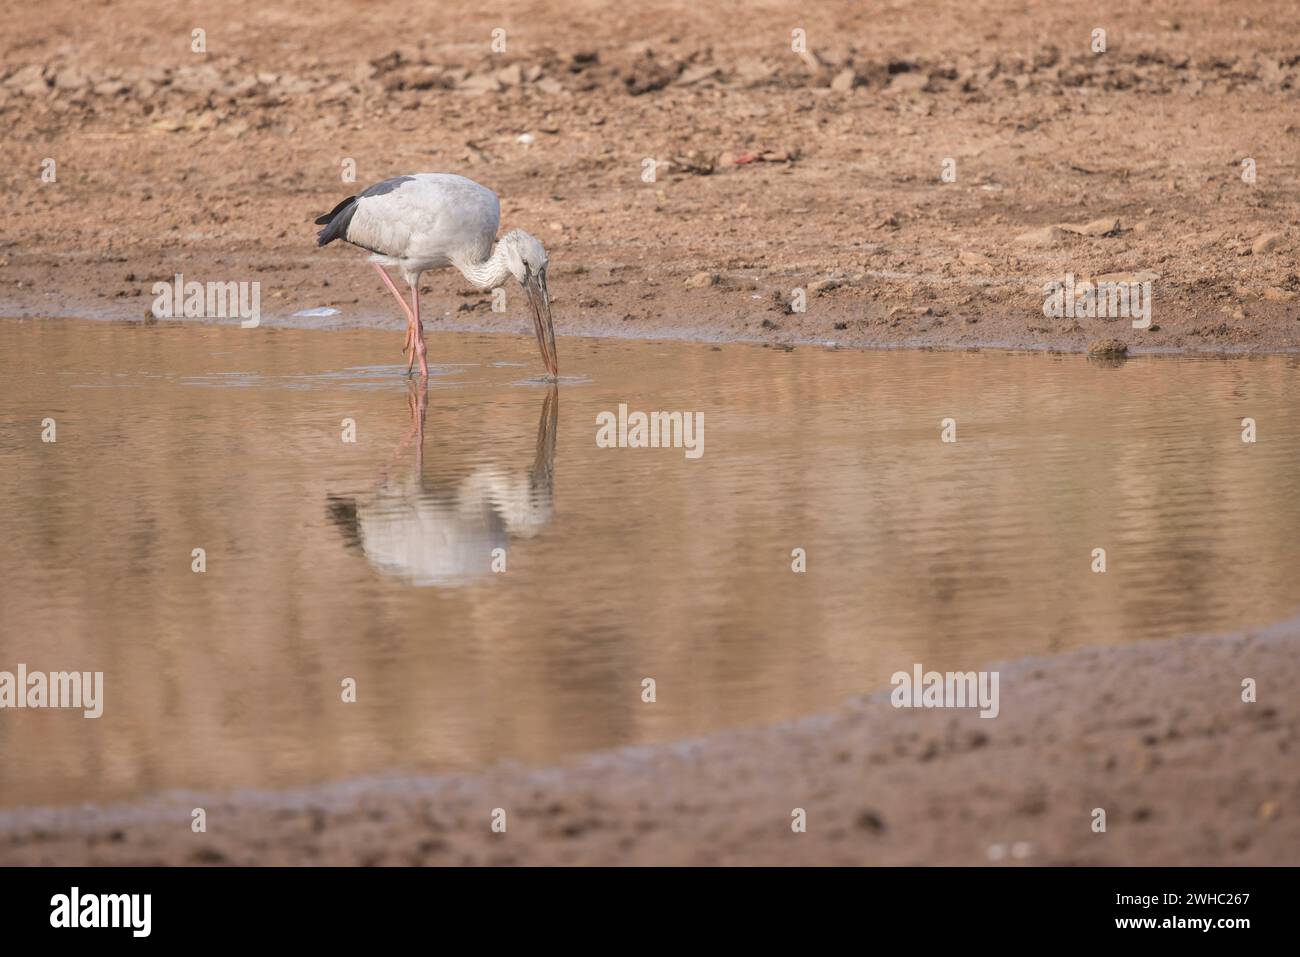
(525, 255)
(526, 258)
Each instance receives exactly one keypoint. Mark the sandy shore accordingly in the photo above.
(822, 171)
(1156, 734)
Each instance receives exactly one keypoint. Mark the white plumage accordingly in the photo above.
(432, 220)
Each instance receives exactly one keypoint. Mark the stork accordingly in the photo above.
(431, 220)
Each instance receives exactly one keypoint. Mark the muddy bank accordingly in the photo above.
(919, 177)
(1155, 734)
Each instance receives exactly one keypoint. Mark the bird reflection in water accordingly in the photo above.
(428, 537)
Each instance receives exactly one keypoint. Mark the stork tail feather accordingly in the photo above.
(336, 222)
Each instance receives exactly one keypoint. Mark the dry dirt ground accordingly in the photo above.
(774, 169)
(1155, 735)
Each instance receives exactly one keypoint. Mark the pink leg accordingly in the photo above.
(418, 326)
(410, 319)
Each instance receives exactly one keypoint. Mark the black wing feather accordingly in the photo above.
(336, 222)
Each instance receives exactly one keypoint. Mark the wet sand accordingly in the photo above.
(1156, 734)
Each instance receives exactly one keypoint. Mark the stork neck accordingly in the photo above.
(489, 273)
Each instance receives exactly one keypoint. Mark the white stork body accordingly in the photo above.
(427, 222)
(432, 220)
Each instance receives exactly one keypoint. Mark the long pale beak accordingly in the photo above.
(540, 302)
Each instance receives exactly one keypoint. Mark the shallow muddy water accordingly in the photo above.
(373, 560)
